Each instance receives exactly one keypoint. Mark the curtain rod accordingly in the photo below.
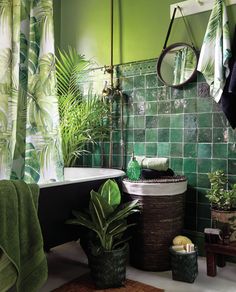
(190, 7)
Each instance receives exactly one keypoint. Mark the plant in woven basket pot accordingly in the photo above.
(223, 204)
(106, 243)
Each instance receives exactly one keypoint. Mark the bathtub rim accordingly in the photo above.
(109, 173)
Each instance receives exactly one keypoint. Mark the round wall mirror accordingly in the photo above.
(177, 64)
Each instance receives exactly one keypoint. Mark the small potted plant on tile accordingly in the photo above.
(223, 204)
(106, 245)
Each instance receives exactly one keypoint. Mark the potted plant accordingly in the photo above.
(83, 120)
(106, 244)
(223, 204)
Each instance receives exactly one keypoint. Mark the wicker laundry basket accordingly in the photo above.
(161, 219)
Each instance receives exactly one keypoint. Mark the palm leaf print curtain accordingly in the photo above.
(30, 147)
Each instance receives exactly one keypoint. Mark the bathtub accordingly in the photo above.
(58, 199)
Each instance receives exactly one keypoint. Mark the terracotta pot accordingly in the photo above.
(226, 221)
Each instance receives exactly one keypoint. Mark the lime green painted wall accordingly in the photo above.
(140, 28)
(57, 21)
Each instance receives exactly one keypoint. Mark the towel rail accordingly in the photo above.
(195, 6)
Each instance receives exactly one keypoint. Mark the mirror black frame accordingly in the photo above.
(160, 59)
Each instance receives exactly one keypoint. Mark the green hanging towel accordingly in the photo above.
(23, 263)
(216, 52)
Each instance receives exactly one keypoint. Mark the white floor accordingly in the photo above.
(68, 261)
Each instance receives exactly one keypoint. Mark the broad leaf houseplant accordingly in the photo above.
(223, 203)
(106, 245)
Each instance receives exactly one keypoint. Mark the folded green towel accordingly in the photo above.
(155, 163)
(21, 243)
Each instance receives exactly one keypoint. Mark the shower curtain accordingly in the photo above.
(30, 147)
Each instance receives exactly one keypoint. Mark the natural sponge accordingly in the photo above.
(181, 240)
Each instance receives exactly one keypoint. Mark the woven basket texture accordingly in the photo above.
(160, 220)
(184, 266)
(108, 269)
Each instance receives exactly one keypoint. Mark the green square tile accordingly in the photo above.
(128, 109)
(204, 165)
(220, 150)
(139, 81)
(116, 161)
(203, 211)
(151, 121)
(128, 122)
(176, 135)
(205, 120)
(139, 95)
(151, 135)
(177, 106)
(177, 121)
(190, 150)
(176, 150)
(201, 196)
(139, 122)
(87, 159)
(116, 148)
(139, 135)
(163, 149)
(190, 121)
(205, 135)
(129, 135)
(203, 223)
(203, 181)
(190, 165)
(232, 150)
(151, 149)
(177, 164)
(190, 105)
(163, 93)
(232, 179)
(116, 136)
(232, 135)
(129, 147)
(163, 135)
(219, 120)
(139, 148)
(128, 83)
(220, 135)
(151, 80)
(190, 90)
(192, 179)
(176, 93)
(204, 105)
(151, 108)
(232, 166)
(163, 107)
(190, 135)
(219, 164)
(151, 94)
(204, 150)
(97, 160)
(139, 108)
(163, 121)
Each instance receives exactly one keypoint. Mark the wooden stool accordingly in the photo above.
(215, 255)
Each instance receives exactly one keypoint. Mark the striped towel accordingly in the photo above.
(216, 52)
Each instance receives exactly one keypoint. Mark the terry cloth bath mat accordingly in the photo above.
(85, 284)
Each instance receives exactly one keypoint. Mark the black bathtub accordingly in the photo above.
(57, 199)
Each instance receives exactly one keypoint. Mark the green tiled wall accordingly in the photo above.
(185, 125)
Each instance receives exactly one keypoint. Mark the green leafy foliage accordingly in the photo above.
(105, 218)
(82, 120)
(220, 197)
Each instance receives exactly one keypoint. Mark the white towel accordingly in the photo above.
(215, 51)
